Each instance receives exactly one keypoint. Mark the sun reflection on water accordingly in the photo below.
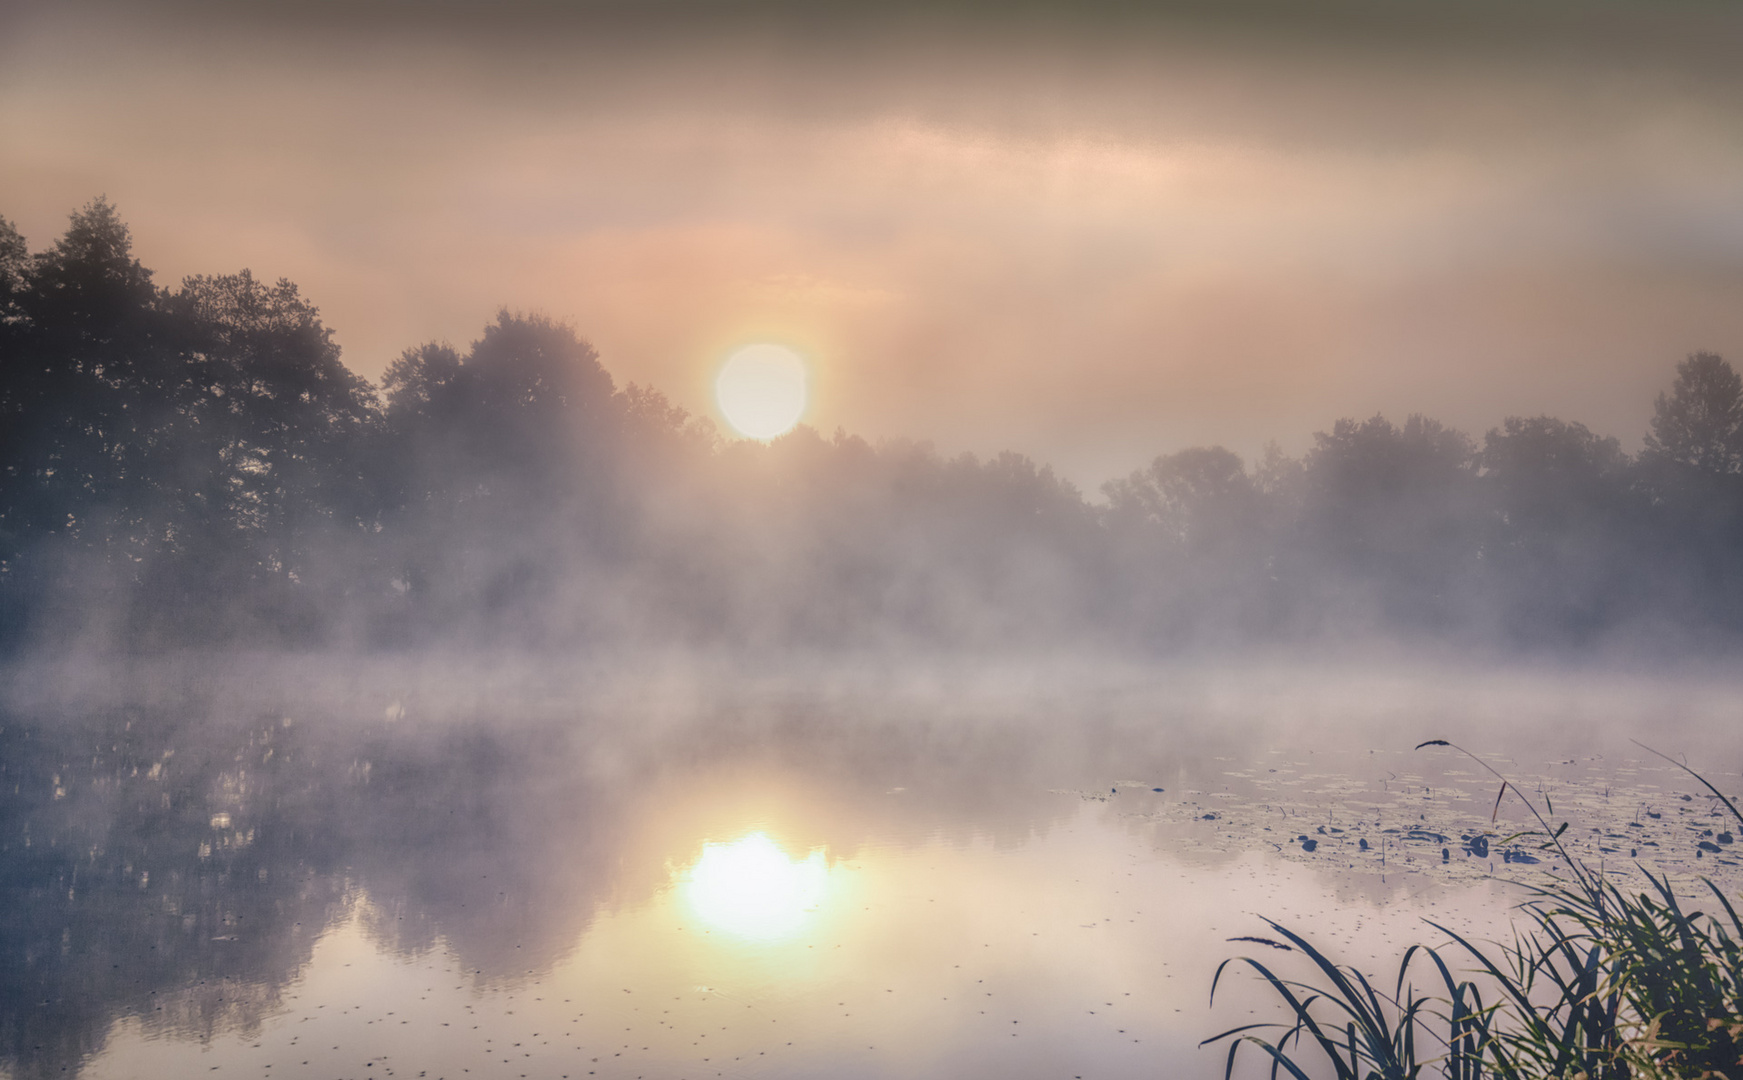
(752, 889)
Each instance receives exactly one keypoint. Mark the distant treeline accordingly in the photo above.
(195, 467)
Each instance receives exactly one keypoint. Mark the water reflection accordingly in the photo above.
(780, 887)
(173, 870)
(752, 889)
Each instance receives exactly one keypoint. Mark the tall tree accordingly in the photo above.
(1198, 498)
(14, 264)
(174, 458)
(1563, 544)
(87, 390)
(515, 412)
(1389, 520)
(1700, 423)
(275, 473)
(15, 378)
(1193, 534)
(506, 455)
(1692, 468)
(1549, 473)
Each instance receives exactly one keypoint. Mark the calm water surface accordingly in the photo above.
(767, 882)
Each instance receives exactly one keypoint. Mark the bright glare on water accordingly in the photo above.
(778, 887)
(751, 888)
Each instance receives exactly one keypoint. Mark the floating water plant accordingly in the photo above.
(1600, 983)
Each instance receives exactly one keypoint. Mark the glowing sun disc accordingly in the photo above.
(752, 889)
(761, 390)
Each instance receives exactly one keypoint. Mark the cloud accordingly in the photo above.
(1090, 238)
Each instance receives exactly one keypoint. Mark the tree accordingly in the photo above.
(1562, 551)
(1389, 517)
(288, 413)
(507, 463)
(165, 456)
(1701, 422)
(1692, 470)
(276, 440)
(14, 392)
(1199, 498)
(527, 401)
(86, 389)
(14, 264)
(1549, 472)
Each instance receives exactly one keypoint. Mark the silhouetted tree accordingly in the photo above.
(172, 460)
(1692, 468)
(14, 398)
(1194, 534)
(1388, 524)
(14, 264)
(1564, 543)
(1551, 476)
(87, 344)
(1701, 422)
(505, 459)
(521, 412)
(1198, 498)
(89, 398)
(198, 465)
(291, 422)
(275, 477)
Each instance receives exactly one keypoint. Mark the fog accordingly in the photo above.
(1211, 406)
(1089, 235)
(181, 832)
(196, 467)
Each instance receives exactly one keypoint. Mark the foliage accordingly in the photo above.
(1602, 984)
(1701, 422)
(197, 466)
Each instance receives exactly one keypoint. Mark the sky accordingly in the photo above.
(1091, 233)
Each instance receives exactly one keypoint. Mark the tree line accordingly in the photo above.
(196, 467)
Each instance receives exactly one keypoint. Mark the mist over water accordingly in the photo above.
(404, 728)
(196, 468)
(499, 716)
(1340, 382)
(250, 860)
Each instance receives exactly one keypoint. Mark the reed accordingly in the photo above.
(1598, 983)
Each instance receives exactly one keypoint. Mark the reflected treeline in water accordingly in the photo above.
(194, 466)
(176, 865)
(155, 869)
(171, 864)
(180, 871)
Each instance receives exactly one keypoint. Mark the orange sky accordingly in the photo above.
(1090, 241)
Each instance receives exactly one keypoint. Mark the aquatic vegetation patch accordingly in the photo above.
(1602, 982)
(1375, 813)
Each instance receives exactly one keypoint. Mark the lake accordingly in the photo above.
(467, 869)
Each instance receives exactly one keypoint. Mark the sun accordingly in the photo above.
(762, 390)
(752, 889)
